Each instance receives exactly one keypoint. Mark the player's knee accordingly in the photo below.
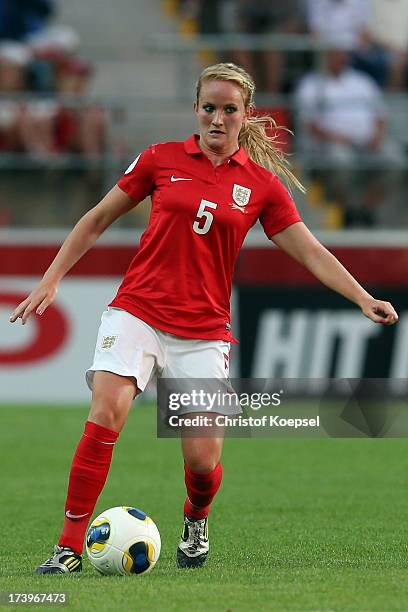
(108, 412)
(200, 464)
(107, 418)
(112, 398)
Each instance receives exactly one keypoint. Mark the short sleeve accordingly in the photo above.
(279, 211)
(138, 180)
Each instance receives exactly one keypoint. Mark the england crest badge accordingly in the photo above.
(241, 197)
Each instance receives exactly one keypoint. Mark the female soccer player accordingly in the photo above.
(171, 313)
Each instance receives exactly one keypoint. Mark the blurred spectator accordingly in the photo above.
(49, 48)
(14, 59)
(21, 18)
(342, 108)
(389, 30)
(79, 129)
(348, 22)
(65, 123)
(61, 121)
(265, 17)
(38, 123)
(55, 40)
(343, 116)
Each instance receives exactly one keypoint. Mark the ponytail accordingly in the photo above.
(264, 149)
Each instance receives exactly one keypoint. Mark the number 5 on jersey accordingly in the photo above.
(202, 213)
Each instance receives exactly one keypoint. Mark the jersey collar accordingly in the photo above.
(191, 147)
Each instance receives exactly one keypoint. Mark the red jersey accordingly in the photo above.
(180, 279)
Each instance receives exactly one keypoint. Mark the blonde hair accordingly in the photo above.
(260, 147)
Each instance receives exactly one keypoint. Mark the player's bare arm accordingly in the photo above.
(78, 242)
(299, 243)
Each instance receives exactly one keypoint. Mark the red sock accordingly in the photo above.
(201, 489)
(89, 470)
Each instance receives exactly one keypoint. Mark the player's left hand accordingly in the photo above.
(380, 312)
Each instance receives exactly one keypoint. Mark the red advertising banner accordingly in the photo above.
(287, 322)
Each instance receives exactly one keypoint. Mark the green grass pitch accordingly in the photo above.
(318, 524)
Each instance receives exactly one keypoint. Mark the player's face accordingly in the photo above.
(220, 113)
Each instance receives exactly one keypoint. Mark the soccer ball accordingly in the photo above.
(123, 541)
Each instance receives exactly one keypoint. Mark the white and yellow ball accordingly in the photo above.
(123, 541)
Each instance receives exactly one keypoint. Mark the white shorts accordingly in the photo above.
(128, 346)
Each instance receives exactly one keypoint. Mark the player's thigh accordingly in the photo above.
(112, 397)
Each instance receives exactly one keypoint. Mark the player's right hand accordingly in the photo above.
(39, 299)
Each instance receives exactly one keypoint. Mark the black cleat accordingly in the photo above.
(63, 561)
(194, 546)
